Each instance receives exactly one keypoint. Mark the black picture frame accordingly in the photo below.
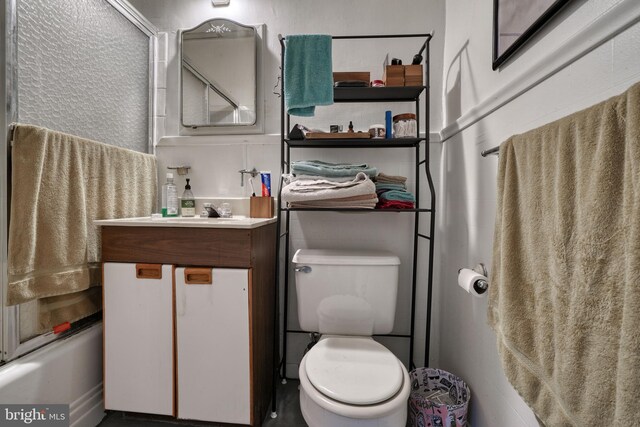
(536, 22)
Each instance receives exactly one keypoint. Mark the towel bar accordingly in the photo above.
(281, 38)
(12, 128)
(495, 150)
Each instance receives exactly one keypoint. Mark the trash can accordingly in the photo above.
(438, 399)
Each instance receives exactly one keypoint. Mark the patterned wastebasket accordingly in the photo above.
(438, 399)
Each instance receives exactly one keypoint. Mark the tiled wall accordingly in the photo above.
(215, 174)
(214, 170)
(160, 107)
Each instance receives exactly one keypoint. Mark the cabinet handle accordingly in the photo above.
(197, 276)
(148, 271)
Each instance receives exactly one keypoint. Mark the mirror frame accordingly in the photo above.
(537, 23)
(213, 129)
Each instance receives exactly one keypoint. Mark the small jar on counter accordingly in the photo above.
(404, 126)
(377, 131)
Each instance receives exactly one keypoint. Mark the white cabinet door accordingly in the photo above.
(212, 334)
(138, 338)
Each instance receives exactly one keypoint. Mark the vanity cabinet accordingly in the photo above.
(212, 345)
(188, 321)
(139, 338)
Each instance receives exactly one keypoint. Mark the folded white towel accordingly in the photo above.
(289, 178)
(322, 189)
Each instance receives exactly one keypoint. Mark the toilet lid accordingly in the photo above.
(355, 371)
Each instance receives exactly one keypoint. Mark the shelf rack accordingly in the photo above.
(360, 95)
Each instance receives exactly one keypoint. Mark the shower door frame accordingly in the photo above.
(10, 345)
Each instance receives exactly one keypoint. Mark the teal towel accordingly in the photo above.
(308, 76)
(320, 168)
(387, 186)
(399, 195)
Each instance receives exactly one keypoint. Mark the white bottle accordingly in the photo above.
(169, 197)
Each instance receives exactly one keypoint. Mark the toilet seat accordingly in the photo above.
(320, 410)
(354, 370)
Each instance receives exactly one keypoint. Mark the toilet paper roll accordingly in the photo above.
(469, 281)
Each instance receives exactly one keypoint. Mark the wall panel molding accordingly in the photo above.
(604, 28)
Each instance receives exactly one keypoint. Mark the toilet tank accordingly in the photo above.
(346, 292)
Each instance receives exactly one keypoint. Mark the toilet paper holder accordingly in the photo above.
(480, 286)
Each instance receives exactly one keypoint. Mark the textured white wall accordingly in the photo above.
(472, 90)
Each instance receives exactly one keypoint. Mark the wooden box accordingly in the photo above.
(337, 135)
(393, 75)
(261, 207)
(413, 75)
(341, 76)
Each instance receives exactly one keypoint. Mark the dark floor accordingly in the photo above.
(288, 405)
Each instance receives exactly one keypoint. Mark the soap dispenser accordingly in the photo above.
(169, 197)
(188, 203)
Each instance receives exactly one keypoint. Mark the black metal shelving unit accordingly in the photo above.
(416, 94)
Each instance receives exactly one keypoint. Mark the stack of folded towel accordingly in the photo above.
(331, 170)
(392, 192)
(319, 184)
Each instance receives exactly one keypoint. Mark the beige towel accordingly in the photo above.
(564, 298)
(355, 202)
(391, 179)
(53, 311)
(60, 184)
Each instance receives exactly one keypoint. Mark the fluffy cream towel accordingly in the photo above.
(564, 298)
(60, 184)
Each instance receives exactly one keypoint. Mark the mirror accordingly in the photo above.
(219, 74)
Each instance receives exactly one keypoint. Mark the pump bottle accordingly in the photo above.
(188, 203)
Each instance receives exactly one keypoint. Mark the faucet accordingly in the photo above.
(212, 211)
(253, 172)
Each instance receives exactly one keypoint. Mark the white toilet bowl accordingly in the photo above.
(352, 381)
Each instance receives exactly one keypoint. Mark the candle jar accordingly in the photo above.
(405, 126)
(377, 131)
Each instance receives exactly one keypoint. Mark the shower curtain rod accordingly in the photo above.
(495, 150)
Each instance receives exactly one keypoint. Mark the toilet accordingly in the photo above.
(347, 379)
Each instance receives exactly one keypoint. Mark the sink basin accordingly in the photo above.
(197, 220)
